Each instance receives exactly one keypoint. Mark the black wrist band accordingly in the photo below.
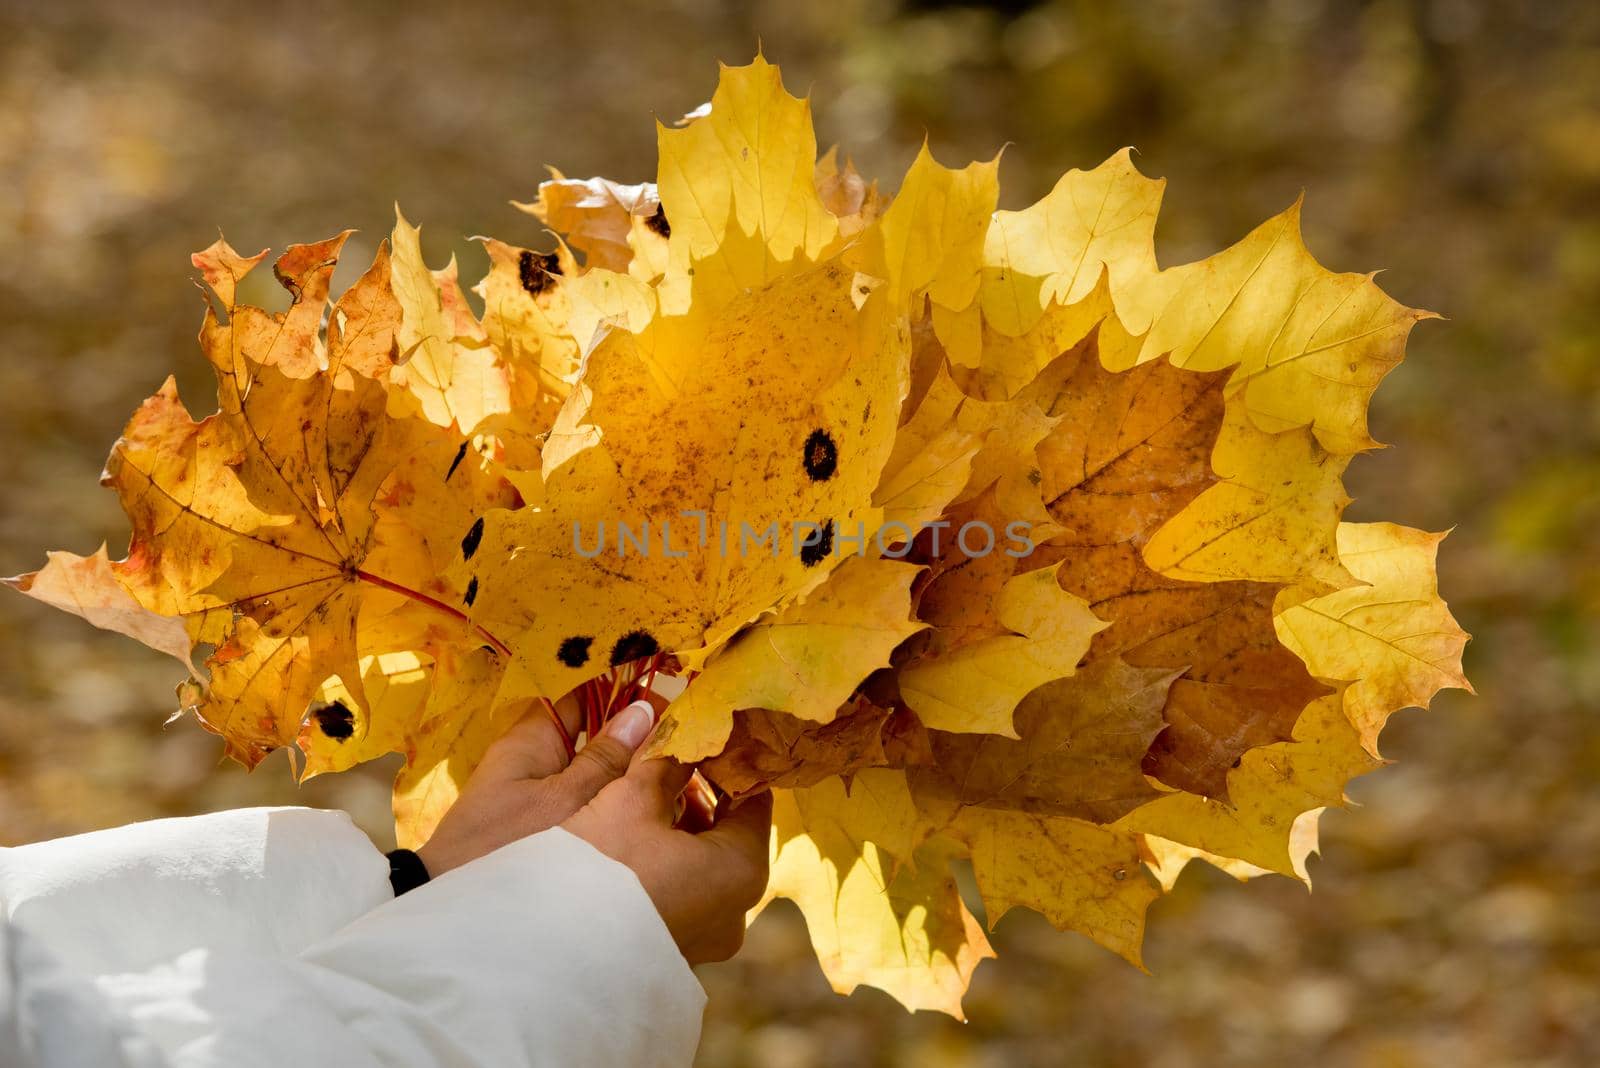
(406, 871)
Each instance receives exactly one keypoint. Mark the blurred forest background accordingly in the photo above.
(1456, 919)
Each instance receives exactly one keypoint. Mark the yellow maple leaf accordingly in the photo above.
(1091, 223)
(1391, 639)
(687, 579)
(805, 661)
(87, 586)
(931, 462)
(343, 729)
(1079, 749)
(262, 527)
(746, 165)
(1078, 875)
(445, 358)
(930, 239)
(1273, 786)
(975, 685)
(901, 928)
(527, 316)
(1308, 346)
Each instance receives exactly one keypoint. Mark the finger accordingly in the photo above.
(746, 826)
(728, 941)
(741, 868)
(532, 749)
(608, 754)
(660, 780)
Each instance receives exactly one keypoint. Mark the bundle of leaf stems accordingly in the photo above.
(604, 696)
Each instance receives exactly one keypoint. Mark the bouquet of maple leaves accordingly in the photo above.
(385, 538)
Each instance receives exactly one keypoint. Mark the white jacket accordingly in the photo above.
(271, 937)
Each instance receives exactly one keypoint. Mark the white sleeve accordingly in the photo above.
(259, 880)
(546, 952)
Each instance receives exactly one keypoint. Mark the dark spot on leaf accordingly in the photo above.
(469, 544)
(820, 456)
(634, 645)
(461, 454)
(537, 270)
(658, 222)
(335, 720)
(472, 591)
(819, 550)
(574, 651)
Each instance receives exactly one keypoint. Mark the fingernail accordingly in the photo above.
(631, 724)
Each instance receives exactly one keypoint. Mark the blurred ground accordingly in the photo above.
(1457, 143)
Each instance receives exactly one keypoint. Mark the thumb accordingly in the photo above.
(606, 756)
(661, 779)
(746, 828)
